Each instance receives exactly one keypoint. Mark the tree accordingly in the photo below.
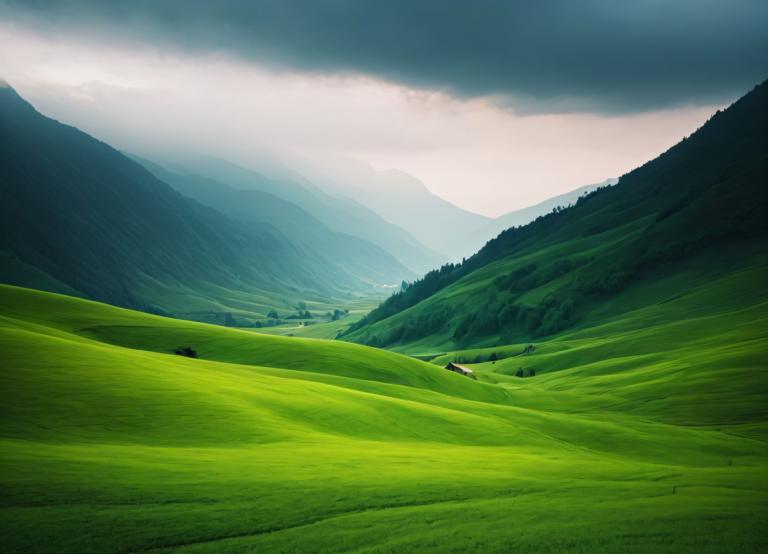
(272, 314)
(187, 351)
(229, 321)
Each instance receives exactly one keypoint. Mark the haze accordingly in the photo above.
(488, 149)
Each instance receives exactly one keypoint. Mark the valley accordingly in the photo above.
(383, 278)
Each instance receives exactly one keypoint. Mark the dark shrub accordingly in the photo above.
(186, 351)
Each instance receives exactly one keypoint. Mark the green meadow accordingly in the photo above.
(644, 433)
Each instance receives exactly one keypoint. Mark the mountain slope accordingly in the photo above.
(79, 216)
(524, 216)
(704, 201)
(344, 255)
(402, 199)
(111, 442)
(340, 214)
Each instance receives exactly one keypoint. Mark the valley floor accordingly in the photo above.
(641, 435)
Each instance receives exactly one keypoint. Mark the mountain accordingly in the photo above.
(526, 215)
(354, 258)
(691, 217)
(402, 199)
(340, 214)
(77, 216)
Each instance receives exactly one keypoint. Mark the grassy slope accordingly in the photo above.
(287, 444)
(322, 327)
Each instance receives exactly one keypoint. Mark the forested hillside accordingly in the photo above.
(705, 198)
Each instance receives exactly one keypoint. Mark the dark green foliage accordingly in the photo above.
(305, 314)
(514, 281)
(187, 351)
(337, 314)
(548, 317)
(463, 327)
(413, 293)
(419, 326)
(272, 314)
(229, 321)
(606, 283)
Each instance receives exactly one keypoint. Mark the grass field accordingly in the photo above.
(646, 433)
(322, 327)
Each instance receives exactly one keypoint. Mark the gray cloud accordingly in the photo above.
(545, 56)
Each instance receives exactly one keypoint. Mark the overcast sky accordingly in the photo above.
(493, 105)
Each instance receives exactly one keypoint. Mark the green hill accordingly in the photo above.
(111, 442)
(79, 217)
(696, 214)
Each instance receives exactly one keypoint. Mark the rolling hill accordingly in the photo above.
(79, 217)
(689, 218)
(110, 442)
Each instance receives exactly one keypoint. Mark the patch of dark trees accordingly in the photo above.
(527, 277)
(336, 314)
(551, 315)
(301, 314)
(525, 372)
(414, 327)
(493, 356)
(187, 351)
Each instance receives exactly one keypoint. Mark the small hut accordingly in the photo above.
(461, 370)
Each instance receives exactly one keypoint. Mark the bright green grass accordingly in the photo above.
(635, 437)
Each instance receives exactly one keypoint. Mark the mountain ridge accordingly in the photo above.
(77, 212)
(359, 258)
(340, 214)
(403, 200)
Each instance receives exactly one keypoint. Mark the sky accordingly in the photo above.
(493, 105)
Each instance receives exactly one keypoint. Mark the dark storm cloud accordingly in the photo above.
(608, 56)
